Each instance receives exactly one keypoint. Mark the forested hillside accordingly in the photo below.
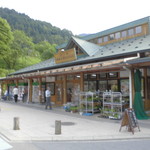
(24, 41)
(38, 30)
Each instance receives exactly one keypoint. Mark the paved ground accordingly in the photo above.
(36, 123)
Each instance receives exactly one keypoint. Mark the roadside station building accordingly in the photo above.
(102, 61)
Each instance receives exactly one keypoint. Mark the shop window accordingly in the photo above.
(138, 29)
(59, 78)
(124, 87)
(93, 76)
(130, 32)
(106, 39)
(99, 41)
(85, 86)
(124, 33)
(113, 85)
(85, 76)
(103, 85)
(117, 35)
(111, 37)
(77, 76)
(92, 86)
(148, 87)
(112, 74)
(70, 77)
(52, 87)
(103, 75)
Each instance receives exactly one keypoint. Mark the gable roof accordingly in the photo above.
(96, 53)
(88, 48)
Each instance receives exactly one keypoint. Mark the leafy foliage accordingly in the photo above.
(38, 30)
(24, 41)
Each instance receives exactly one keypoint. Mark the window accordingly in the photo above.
(52, 87)
(130, 32)
(117, 35)
(113, 85)
(113, 74)
(92, 86)
(70, 77)
(99, 40)
(105, 38)
(93, 76)
(124, 33)
(138, 29)
(85, 76)
(103, 85)
(111, 36)
(103, 75)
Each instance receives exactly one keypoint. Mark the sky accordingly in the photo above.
(81, 16)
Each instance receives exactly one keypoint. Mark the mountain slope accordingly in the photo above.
(38, 30)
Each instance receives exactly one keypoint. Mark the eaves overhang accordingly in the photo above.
(84, 61)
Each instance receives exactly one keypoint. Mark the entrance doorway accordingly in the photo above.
(73, 89)
(59, 92)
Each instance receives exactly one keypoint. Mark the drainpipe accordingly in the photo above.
(130, 85)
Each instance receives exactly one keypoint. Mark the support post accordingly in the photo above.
(16, 123)
(57, 126)
(65, 90)
(130, 87)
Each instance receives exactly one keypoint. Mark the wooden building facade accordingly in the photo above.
(103, 61)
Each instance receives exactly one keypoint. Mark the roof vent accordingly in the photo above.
(119, 47)
(136, 46)
(123, 49)
(101, 53)
(141, 39)
(129, 45)
(140, 42)
(112, 51)
(122, 43)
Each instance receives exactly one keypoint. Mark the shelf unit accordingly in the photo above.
(112, 105)
(89, 102)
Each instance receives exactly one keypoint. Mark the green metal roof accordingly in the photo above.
(87, 47)
(96, 53)
(118, 28)
(112, 30)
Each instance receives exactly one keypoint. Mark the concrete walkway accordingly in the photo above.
(36, 123)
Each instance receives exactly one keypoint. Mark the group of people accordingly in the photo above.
(47, 95)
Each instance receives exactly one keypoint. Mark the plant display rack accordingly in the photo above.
(89, 102)
(112, 105)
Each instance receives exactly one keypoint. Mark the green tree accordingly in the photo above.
(5, 37)
(45, 49)
(21, 47)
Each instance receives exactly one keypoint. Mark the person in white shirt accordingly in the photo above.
(15, 92)
(48, 98)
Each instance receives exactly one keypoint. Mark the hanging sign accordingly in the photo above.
(129, 120)
(65, 56)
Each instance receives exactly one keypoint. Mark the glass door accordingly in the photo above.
(59, 93)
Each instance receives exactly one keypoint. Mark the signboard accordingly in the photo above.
(65, 56)
(129, 120)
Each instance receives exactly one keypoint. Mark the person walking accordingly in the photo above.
(15, 92)
(48, 98)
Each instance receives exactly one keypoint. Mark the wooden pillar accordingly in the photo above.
(40, 89)
(81, 81)
(29, 90)
(65, 89)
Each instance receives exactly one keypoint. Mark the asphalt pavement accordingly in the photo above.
(38, 124)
